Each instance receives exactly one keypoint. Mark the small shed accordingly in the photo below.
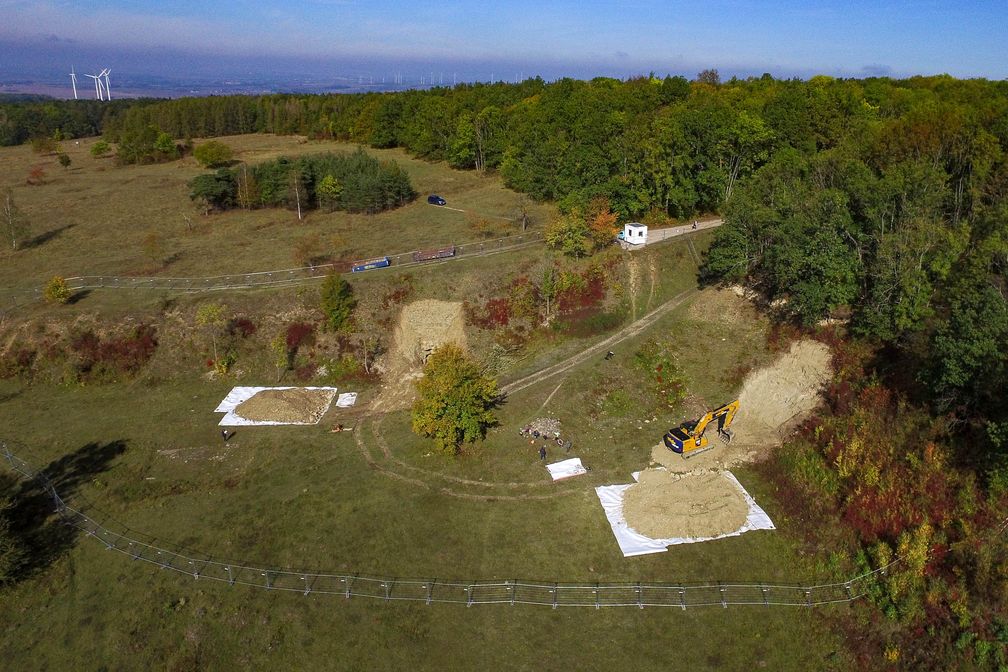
(635, 233)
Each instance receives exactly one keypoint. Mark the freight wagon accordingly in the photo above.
(380, 262)
(440, 253)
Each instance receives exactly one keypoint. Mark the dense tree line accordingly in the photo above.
(355, 182)
(20, 121)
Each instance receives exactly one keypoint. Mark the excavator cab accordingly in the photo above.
(688, 438)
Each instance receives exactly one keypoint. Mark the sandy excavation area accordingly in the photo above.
(666, 505)
(295, 405)
(691, 497)
(423, 326)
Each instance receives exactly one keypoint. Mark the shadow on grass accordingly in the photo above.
(78, 296)
(43, 238)
(33, 520)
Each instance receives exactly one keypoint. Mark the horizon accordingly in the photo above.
(248, 48)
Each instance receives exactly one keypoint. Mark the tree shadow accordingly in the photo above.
(32, 515)
(79, 295)
(43, 238)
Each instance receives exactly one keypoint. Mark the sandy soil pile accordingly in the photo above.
(666, 504)
(772, 401)
(423, 326)
(693, 494)
(293, 405)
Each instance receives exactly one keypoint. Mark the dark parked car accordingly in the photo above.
(434, 199)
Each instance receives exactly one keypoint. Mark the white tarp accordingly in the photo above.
(237, 395)
(566, 469)
(633, 543)
(346, 399)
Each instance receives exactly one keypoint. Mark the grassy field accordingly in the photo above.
(151, 457)
(94, 217)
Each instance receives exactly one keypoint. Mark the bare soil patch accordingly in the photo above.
(423, 326)
(296, 405)
(773, 400)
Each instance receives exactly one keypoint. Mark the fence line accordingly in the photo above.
(274, 278)
(142, 547)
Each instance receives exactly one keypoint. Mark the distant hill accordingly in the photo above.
(24, 98)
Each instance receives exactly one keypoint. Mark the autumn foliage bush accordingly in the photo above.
(877, 478)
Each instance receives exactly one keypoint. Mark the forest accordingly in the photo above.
(872, 212)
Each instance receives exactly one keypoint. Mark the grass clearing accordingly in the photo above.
(302, 497)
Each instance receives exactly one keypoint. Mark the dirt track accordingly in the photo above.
(626, 332)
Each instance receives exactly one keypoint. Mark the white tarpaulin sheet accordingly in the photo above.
(346, 399)
(634, 543)
(566, 469)
(237, 395)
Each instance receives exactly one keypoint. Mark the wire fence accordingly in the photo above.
(288, 276)
(141, 547)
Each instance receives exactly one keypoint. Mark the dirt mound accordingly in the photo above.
(772, 401)
(693, 498)
(296, 405)
(664, 504)
(776, 397)
(423, 326)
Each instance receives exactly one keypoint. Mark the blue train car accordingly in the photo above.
(380, 262)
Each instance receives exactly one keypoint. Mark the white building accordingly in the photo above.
(635, 233)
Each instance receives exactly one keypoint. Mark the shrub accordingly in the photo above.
(213, 154)
(299, 334)
(57, 291)
(100, 149)
(241, 327)
(338, 302)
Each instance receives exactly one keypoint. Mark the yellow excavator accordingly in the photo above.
(688, 438)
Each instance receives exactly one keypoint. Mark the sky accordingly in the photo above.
(477, 40)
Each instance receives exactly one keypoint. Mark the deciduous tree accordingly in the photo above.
(15, 224)
(456, 399)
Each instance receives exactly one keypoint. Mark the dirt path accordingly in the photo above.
(623, 334)
(634, 267)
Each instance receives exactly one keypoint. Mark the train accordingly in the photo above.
(380, 262)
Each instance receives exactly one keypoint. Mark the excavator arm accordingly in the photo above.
(688, 438)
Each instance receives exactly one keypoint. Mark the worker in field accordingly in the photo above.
(542, 452)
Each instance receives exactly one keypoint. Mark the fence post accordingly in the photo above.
(637, 589)
(555, 596)
(850, 594)
(682, 597)
(724, 603)
(230, 577)
(765, 590)
(596, 591)
(307, 587)
(430, 591)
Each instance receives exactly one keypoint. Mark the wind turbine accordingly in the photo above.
(108, 89)
(73, 80)
(97, 86)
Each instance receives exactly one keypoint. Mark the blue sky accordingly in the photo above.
(475, 39)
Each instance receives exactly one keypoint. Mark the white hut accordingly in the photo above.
(635, 233)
